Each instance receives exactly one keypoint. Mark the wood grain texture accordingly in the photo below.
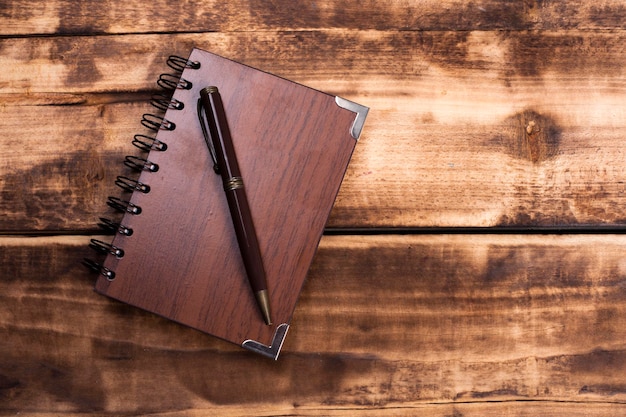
(540, 111)
(365, 62)
(53, 183)
(483, 113)
(494, 409)
(121, 17)
(412, 324)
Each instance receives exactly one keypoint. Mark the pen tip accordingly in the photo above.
(263, 300)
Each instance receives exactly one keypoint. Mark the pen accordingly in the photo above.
(220, 144)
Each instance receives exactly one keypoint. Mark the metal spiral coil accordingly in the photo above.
(147, 143)
(101, 269)
(140, 164)
(172, 82)
(124, 205)
(130, 185)
(163, 102)
(104, 247)
(156, 123)
(178, 63)
(110, 226)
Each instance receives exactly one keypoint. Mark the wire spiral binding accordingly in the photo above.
(172, 82)
(140, 164)
(163, 102)
(101, 269)
(106, 248)
(147, 143)
(111, 227)
(156, 123)
(124, 206)
(130, 185)
(179, 64)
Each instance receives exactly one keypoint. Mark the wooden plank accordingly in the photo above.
(132, 16)
(493, 409)
(57, 176)
(412, 324)
(518, 409)
(61, 181)
(371, 63)
(465, 129)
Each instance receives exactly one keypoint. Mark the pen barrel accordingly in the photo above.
(234, 188)
(247, 239)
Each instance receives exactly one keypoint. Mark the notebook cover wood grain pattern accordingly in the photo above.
(182, 261)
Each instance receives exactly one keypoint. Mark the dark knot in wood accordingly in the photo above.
(532, 136)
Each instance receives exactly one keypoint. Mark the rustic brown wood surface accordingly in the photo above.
(540, 110)
(485, 114)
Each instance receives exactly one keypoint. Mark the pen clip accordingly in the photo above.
(205, 134)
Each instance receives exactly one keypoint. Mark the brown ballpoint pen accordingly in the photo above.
(217, 136)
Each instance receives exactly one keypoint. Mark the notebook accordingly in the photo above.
(175, 252)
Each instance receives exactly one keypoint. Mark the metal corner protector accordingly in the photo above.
(273, 350)
(361, 113)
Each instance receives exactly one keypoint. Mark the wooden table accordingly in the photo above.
(474, 263)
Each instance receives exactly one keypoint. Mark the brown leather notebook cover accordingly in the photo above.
(293, 144)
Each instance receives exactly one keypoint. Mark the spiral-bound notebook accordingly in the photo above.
(175, 252)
